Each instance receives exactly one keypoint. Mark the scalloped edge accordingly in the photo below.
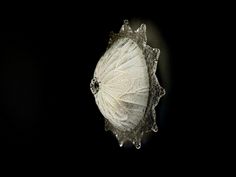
(148, 123)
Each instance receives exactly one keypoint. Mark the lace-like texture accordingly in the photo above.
(125, 126)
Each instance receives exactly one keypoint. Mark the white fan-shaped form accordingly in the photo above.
(125, 86)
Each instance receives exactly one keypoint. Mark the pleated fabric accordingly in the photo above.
(123, 80)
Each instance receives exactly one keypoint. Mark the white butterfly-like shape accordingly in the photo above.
(125, 87)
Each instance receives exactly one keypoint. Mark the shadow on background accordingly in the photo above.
(47, 63)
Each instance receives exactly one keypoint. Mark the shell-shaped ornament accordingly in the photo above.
(125, 86)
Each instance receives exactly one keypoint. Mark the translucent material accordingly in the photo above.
(125, 86)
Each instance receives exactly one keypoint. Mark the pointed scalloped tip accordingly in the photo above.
(157, 52)
(121, 143)
(141, 31)
(162, 91)
(154, 127)
(137, 144)
(125, 27)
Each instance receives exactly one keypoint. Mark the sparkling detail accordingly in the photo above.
(151, 55)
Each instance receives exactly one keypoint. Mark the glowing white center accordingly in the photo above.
(123, 84)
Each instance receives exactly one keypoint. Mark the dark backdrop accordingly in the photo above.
(48, 56)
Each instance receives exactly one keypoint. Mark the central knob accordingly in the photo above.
(94, 85)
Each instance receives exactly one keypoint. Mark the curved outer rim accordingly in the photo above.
(151, 55)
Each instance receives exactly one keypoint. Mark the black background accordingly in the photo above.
(48, 56)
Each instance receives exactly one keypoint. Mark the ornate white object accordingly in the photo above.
(125, 86)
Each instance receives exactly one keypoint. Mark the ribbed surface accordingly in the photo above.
(123, 84)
